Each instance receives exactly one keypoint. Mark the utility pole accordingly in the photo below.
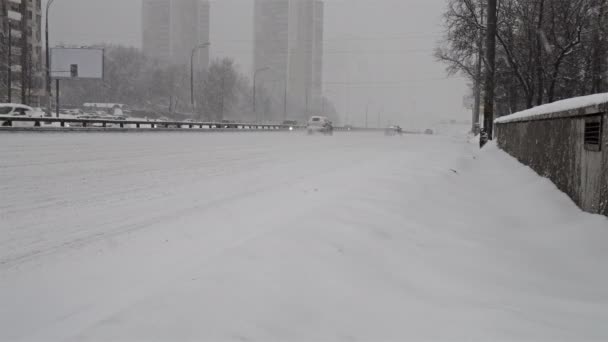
(194, 49)
(488, 110)
(307, 105)
(366, 115)
(255, 77)
(223, 95)
(323, 106)
(477, 108)
(48, 58)
(285, 103)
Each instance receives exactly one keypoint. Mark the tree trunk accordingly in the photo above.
(477, 109)
(539, 53)
(600, 51)
(490, 69)
(513, 97)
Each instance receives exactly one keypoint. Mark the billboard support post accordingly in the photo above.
(57, 97)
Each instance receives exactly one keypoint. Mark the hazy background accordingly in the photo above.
(378, 53)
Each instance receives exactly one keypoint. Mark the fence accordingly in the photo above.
(567, 142)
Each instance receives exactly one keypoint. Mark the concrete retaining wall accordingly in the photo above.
(554, 146)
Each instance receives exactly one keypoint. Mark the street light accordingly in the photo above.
(201, 46)
(324, 98)
(255, 76)
(48, 59)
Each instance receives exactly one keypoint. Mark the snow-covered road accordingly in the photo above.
(283, 237)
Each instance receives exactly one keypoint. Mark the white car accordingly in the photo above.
(16, 110)
(320, 124)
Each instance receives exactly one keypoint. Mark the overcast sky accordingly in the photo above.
(378, 53)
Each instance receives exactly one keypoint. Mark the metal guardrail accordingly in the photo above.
(7, 121)
(76, 124)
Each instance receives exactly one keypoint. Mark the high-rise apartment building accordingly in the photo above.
(4, 50)
(271, 44)
(306, 55)
(317, 55)
(172, 28)
(21, 23)
(288, 39)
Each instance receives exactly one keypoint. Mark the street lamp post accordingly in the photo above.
(324, 98)
(201, 46)
(48, 58)
(285, 102)
(255, 76)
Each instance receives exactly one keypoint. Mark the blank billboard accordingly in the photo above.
(77, 63)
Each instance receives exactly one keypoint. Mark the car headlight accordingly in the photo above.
(291, 128)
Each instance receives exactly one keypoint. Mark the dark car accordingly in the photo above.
(229, 124)
(320, 124)
(393, 130)
(291, 123)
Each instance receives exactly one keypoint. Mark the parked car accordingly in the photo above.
(91, 117)
(229, 124)
(320, 124)
(73, 112)
(393, 130)
(18, 111)
(429, 132)
(165, 122)
(291, 123)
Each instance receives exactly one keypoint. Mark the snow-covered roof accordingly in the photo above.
(584, 105)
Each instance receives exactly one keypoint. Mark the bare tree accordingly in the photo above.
(546, 49)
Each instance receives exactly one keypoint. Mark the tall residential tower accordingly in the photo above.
(288, 39)
(172, 28)
(21, 18)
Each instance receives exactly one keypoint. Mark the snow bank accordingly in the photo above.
(588, 104)
(289, 238)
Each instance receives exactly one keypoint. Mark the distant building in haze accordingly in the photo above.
(270, 50)
(288, 39)
(172, 28)
(306, 55)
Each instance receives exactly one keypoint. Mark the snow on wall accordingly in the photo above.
(571, 107)
(556, 149)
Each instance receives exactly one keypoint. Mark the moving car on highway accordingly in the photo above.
(229, 124)
(393, 130)
(90, 117)
(320, 124)
(291, 123)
